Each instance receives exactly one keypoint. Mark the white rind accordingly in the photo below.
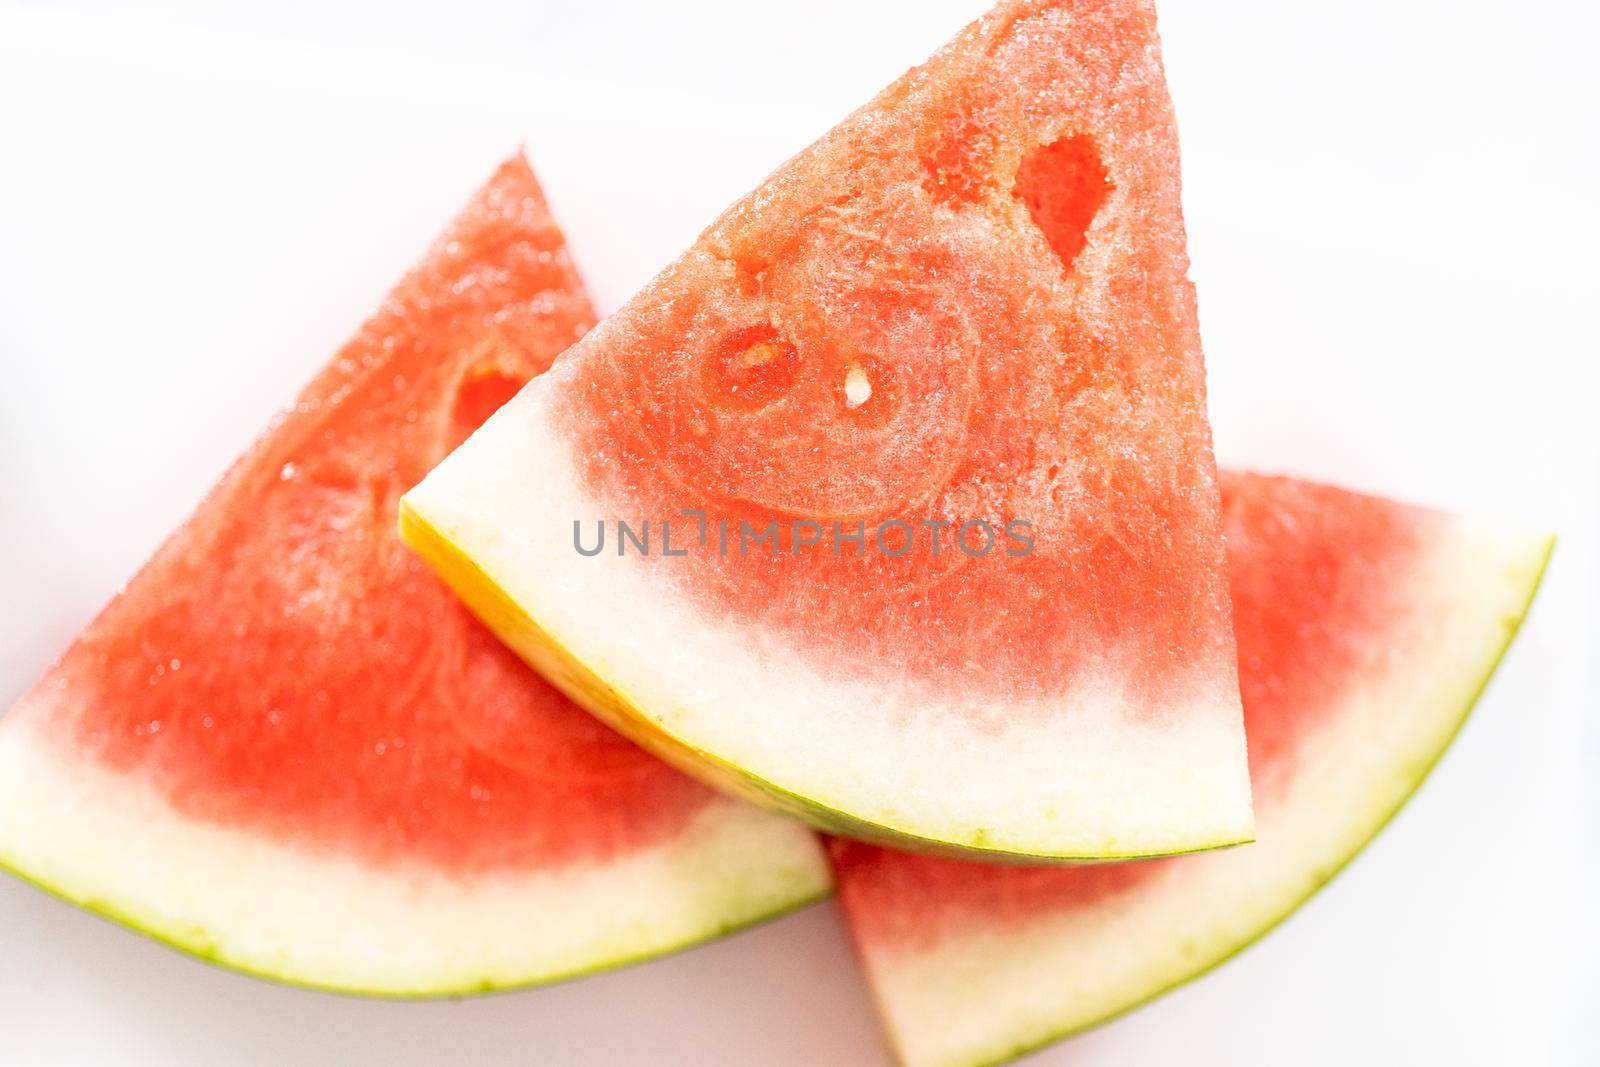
(1078, 780)
(108, 841)
(986, 995)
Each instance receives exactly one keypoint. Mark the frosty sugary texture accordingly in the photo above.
(996, 245)
(283, 663)
(286, 685)
(1366, 629)
(966, 304)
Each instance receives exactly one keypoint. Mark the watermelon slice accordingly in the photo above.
(1366, 631)
(288, 748)
(922, 538)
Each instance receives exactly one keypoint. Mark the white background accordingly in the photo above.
(1393, 218)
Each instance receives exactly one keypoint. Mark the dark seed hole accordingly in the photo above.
(1064, 185)
(480, 395)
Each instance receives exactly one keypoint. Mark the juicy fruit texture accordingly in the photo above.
(965, 305)
(1366, 630)
(288, 747)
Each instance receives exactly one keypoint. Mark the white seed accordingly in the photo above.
(857, 389)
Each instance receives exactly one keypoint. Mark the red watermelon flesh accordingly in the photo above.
(967, 304)
(1366, 629)
(287, 745)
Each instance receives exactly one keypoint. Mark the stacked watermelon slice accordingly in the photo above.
(889, 506)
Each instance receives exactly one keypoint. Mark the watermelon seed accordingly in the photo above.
(857, 388)
(758, 355)
(751, 368)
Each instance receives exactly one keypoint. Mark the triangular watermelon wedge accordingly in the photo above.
(922, 526)
(286, 746)
(1366, 631)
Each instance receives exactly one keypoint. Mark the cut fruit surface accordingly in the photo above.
(922, 540)
(1366, 630)
(287, 747)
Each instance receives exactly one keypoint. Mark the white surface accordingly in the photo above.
(1392, 214)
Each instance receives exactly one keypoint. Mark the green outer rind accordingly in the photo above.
(1513, 625)
(534, 643)
(203, 949)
